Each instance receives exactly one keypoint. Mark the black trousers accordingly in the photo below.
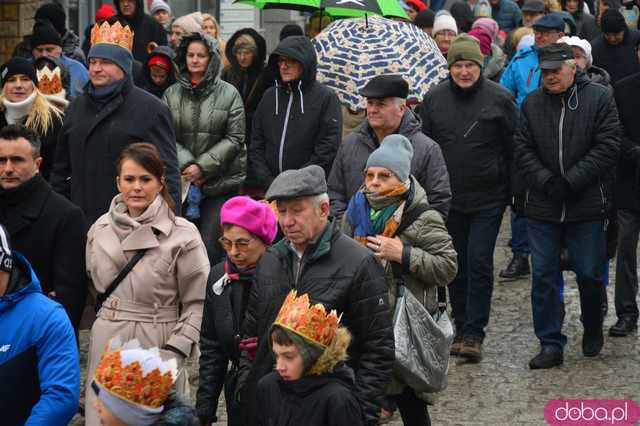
(626, 265)
(413, 410)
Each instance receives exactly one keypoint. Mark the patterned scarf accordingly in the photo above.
(376, 214)
(236, 274)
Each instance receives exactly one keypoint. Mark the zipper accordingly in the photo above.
(284, 132)
(526, 198)
(560, 159)
(470, 129)
(604, 200)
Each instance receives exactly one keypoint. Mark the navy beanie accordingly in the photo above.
(395, 153)
(114, 53)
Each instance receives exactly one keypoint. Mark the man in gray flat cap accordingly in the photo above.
(315, 258)
(388, 114)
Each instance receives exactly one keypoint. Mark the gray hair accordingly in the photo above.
(320, 199)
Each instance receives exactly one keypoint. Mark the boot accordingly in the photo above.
(548, 357)
(472, 349)
(456, 346)
(625, 326)
(517, 269)
(592, 342)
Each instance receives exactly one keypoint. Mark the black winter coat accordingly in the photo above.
(627, 94)
(51, 233)
(48, 142)
(296, 124)
(587, 27)
(620, 60)
(324, 400)
(145, 81)
(342, 275)
(427, 165)
(475, 130)
(146, 30)
(575, 135)
(219, 338)
(93, 137)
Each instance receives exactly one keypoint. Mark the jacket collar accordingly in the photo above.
(29, 200)
(313, 251)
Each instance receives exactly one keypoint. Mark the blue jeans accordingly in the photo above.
(519, 238)
(474, 238)
(586, 243)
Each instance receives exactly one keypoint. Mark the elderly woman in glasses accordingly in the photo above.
(248, 228)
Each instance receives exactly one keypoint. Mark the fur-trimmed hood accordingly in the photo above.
(334, 354)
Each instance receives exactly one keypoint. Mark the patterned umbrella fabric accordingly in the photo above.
(351, 52)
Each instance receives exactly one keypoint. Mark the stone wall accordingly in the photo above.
(16, 21)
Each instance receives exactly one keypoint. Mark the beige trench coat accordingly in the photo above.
(160, 302)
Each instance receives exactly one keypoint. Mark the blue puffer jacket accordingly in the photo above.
(522, 75)
(507, 14)
(39, 361)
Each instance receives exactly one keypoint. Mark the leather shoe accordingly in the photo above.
(518, 268)
(592, 342)
(624, 327)
(548, 357)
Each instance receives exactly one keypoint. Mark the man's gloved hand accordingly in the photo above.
(558, 189)
(250, 345)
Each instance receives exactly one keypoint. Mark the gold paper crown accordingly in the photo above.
(112, 34)
(128, 382)
(311, 322)
(49, 82)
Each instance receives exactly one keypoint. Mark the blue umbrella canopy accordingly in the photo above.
(353, 51)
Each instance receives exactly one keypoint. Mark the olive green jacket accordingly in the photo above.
(209, 121)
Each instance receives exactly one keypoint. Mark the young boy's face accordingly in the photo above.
(158, 75)
(289, 362)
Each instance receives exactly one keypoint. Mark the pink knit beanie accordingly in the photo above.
(254, 216)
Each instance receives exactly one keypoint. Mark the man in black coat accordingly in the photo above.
(317, 259)
(387, 114)
(298, 122)
(567, 145)
(44, 226)
(627, 93)
(145, 28)
(473, 120)
(111, 114)
(615, 49)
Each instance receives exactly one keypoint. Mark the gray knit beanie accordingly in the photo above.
(395, 153)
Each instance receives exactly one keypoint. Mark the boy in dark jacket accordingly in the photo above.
(311, 384)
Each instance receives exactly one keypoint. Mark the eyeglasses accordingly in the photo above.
(241, 245)
(287, 62)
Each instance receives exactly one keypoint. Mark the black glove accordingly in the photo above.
(558, 189)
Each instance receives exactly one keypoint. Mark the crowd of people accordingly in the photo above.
(182, 197)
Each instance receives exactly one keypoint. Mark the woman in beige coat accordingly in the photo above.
(160, 301)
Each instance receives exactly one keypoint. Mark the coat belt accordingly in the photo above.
(116, 309)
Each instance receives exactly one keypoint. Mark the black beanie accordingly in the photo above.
(16, 66)
(425, 19)
(291, 30)
(613, 21)
(45, 33)
(54, 13)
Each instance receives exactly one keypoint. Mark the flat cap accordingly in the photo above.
(303, 182)
(386, 86)
(553, 55)
(533, 6)
(551, 21)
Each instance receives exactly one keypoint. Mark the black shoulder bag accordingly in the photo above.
(121, 276)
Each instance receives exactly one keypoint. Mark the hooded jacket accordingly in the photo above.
(209, 123)
(343, 275)
(475, 132)
(599, 75)
(427, 165)
(296, 124)
(327, 399)
(39, 360)
(522, 75)
(507, 14)
(495, 64)
(147, 83)
(618, 60)
(574, 135)
(146, 30)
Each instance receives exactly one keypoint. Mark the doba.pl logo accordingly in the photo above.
(587, 412)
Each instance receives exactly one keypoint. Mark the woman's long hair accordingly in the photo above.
(41, 115)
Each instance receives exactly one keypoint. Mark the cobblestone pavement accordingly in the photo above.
(501, 390)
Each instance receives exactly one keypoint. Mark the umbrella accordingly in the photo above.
(335, 8)
(351, 52)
